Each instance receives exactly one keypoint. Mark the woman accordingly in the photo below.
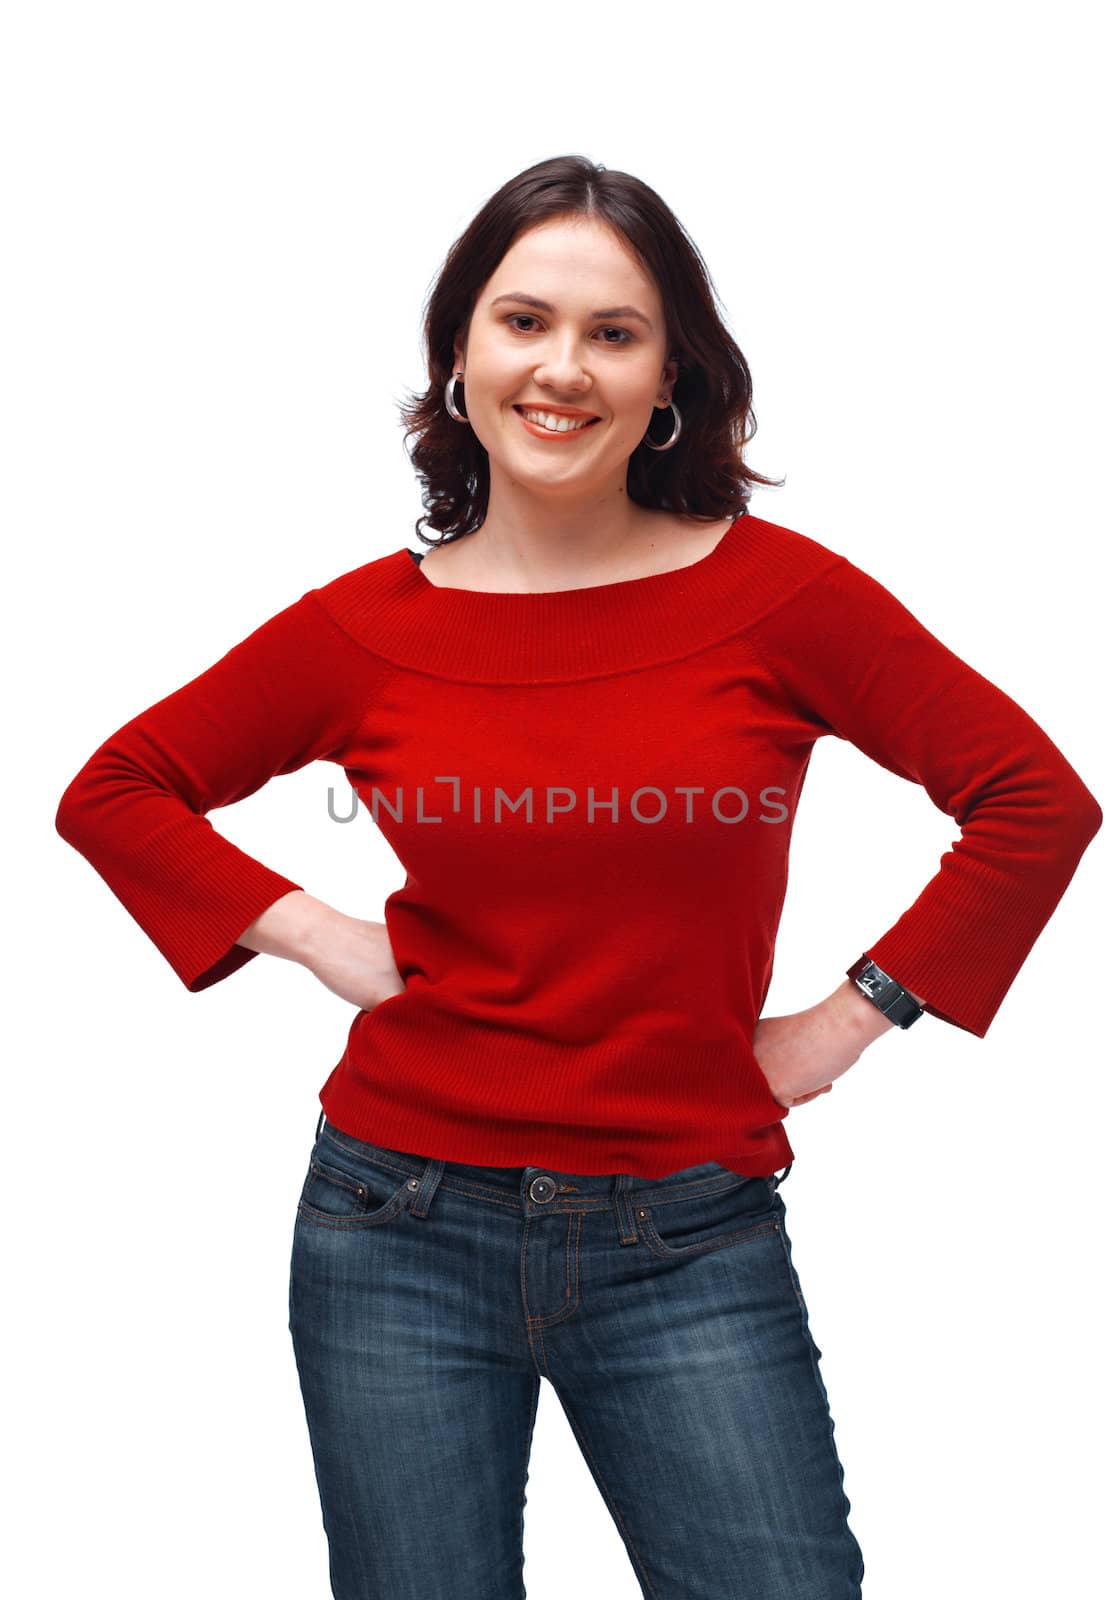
(582, 720)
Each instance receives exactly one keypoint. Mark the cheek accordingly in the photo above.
(504, 370)
(633, 394)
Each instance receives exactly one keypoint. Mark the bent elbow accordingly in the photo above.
(71, 819)
(67, 818)
(1086, 811)
(1083, 818)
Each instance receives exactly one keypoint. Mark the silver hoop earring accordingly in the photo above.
(674, 436)
(448, 395)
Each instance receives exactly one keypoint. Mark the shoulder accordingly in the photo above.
(799, 575)
(794, 557)
(819, 608)
(809, 606)
(365, 598)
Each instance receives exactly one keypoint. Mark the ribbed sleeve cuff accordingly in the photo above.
(212, 902)
(960, 946)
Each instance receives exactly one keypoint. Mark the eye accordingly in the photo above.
(523, 316)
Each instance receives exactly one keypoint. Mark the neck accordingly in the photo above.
(541, 546)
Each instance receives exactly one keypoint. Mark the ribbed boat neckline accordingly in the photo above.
(558, 635)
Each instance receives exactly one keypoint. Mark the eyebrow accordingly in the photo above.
(544, 305)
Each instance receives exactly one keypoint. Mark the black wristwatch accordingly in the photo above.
(887, 995)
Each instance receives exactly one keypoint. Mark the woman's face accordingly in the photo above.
(585, 349)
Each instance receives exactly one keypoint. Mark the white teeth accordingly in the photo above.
(556, 424)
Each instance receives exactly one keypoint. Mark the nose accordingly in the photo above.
(562, 373)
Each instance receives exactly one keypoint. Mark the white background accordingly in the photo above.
(221, 222)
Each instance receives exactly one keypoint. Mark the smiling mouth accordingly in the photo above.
(576, 424)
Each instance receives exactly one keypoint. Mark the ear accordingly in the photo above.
(459, 354)
(669, 375)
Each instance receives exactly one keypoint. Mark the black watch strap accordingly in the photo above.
(890, 998)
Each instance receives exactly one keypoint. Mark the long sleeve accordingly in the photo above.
(290, 693)
(861, 666)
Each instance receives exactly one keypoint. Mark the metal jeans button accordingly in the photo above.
(543, 1188)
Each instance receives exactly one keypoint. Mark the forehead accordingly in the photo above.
(578, 259)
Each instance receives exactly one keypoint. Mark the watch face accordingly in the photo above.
(872, 980)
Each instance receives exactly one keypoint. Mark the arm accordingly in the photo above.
(292, 692)
(855, 662)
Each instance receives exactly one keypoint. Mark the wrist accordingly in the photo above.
(858, 1014)
(294, 927)
(889, 996)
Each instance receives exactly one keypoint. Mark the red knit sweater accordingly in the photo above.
(592, 793)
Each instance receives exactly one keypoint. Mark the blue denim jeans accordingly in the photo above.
(427, 1298)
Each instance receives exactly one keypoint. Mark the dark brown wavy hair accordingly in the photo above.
(704, 474)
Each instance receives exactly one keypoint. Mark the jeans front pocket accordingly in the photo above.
(718, 1215)
(342, 1190)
